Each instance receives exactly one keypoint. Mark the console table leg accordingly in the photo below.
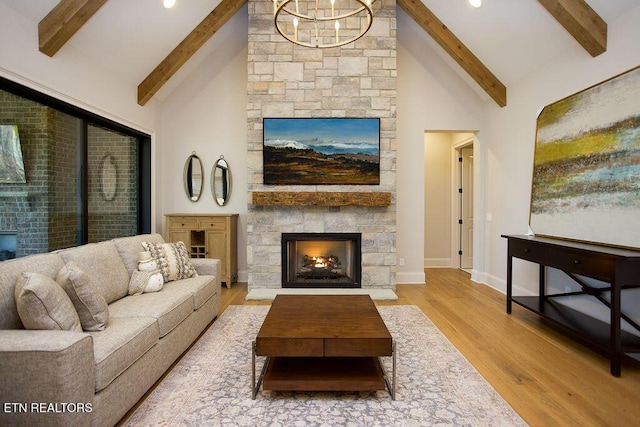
(616, 334)
(509, 282)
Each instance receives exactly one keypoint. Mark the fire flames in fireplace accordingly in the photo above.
(320, 267)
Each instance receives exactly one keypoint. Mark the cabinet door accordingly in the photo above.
(181, 236)
(217, 248)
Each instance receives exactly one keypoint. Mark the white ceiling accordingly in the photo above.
(131, 37)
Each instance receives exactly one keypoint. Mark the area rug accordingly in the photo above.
(211, 385)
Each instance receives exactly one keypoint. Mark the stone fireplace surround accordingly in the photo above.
(357, 80)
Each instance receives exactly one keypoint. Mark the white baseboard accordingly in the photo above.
(243, 276)
(479, 277)
(410, 278)
(500, 284)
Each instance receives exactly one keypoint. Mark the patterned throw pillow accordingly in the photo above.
(43, 304)
(92, 308)
(172, 259)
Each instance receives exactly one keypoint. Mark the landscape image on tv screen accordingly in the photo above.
(321, 151)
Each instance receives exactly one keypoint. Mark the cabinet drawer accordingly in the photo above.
(581, 263)
(213, 224)
(182, 223)
(528, 251)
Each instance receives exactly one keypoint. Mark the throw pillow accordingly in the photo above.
(92, 308)
(172, 260)
(43, 304)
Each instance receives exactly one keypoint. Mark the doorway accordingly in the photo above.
(449, 209)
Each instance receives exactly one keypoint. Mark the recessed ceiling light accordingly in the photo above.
(168, 3)
(475, 3)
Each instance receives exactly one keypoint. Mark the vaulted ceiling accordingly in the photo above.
(493, 46)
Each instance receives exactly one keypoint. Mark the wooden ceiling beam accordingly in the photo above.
(187, 47)
(63, 21)
(454, 47)
(581, 21)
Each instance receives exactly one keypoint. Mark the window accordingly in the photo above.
(88, 179)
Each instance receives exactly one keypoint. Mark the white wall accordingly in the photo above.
(430, 98)
(438, 188)
(207, 114)
(509, 137)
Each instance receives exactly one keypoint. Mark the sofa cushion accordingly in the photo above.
(169, 309)
(102, 263)
(119, 345)
(43, 304)
(10, 271)
(172, 259)
(200, 289)
(90, 305)
(130, 247)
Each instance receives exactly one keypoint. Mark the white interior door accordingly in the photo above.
(466, 208)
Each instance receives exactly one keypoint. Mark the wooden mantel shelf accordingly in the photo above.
(312, 198)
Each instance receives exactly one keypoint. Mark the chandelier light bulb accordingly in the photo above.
(168, 4)
(475, 3)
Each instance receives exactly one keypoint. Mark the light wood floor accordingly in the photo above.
(549, 379)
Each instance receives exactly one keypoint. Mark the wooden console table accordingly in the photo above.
(620, 268)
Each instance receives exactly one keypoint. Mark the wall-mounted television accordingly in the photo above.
(321, 151)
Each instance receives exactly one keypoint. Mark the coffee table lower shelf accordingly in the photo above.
(323, 374)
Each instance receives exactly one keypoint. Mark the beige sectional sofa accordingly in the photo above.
(56, 377)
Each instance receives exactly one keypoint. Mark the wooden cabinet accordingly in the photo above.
(620, 268)
(208, 236)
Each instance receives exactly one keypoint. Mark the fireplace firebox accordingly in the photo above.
(321, 260)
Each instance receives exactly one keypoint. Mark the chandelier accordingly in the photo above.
(322, 23)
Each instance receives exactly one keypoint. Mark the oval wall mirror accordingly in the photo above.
(193, 177)
(108, 178)
(221, 181)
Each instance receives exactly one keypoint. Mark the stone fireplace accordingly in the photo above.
(356, 80)
(321, 260)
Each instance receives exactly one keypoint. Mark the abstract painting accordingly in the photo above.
(321, 151)
(586, 174)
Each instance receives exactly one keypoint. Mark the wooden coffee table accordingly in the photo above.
(323, 343)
